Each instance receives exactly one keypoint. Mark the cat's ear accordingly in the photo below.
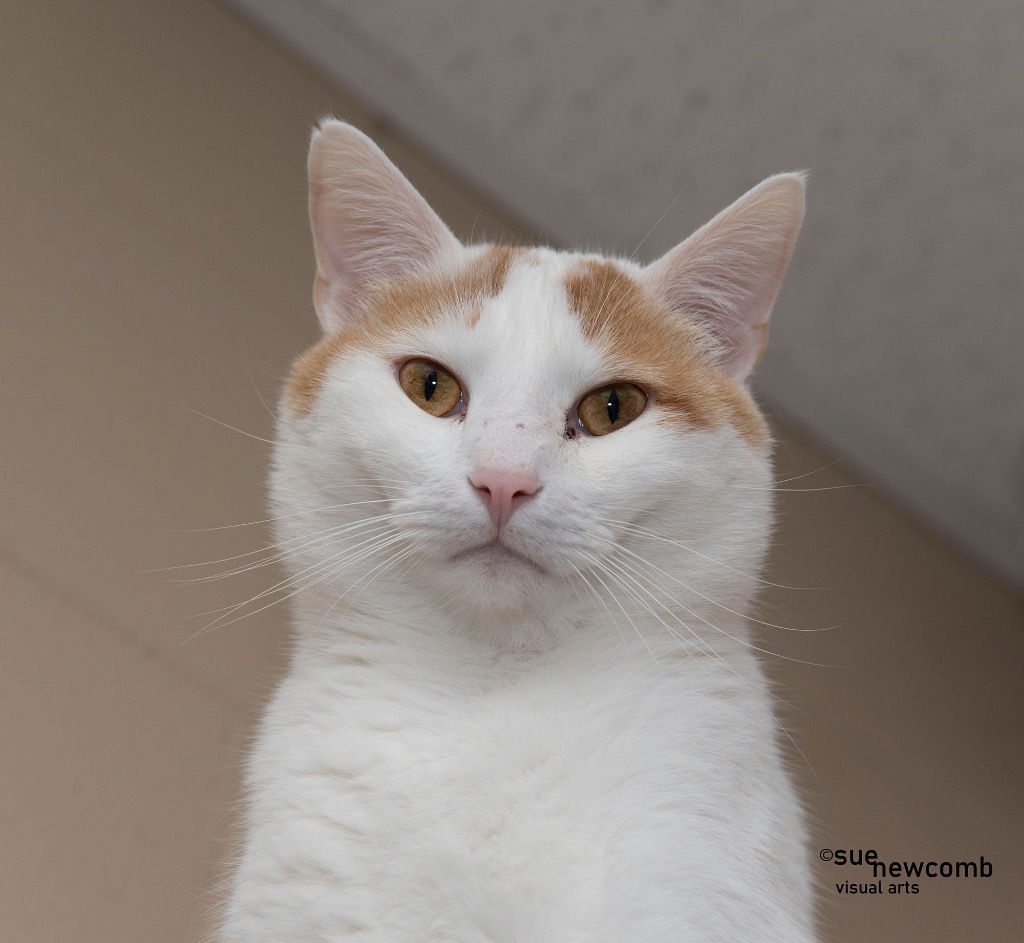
(726, 275)
(369, 223)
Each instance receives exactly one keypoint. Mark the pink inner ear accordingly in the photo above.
(725, 277)
(369, 223)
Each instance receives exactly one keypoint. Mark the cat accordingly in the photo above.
(523, 496)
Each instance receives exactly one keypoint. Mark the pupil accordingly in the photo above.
(613, 406)
(430, 384)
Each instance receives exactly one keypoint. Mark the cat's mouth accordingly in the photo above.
(495, 553)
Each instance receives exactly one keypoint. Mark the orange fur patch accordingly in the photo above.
(398, 306)
(659, 351)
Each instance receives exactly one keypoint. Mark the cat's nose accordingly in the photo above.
(504, 491)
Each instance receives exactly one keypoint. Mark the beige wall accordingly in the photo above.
(155, 261)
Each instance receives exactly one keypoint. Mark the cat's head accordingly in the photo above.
(518, 432)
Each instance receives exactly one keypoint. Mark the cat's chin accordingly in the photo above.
(497, 558)
(492, 580)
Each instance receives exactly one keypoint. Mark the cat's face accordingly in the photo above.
(517, 430)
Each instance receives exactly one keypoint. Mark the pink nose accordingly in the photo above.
(504, 490)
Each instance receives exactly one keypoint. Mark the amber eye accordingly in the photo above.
(430, 386)
(606, 410)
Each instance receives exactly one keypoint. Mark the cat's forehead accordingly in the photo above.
(492, 310)
(526, 325)
(557, 319)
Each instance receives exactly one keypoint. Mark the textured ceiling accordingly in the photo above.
(899, 336)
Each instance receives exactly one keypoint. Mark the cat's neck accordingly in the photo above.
(403, 615)
(402, 628)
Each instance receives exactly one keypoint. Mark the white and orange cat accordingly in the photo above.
(524, 496)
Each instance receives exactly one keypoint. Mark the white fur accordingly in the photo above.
(478, 749)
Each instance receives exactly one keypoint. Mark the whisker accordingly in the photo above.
(315, 571)
(387, 564)
(782, 481)
(651, 535)
(380, 523)
(615, 621)
(688, 588)
(723, 661)
(303, 540)
(668, 210)
(226, 425)
(373, 574)
(628, 570)
(270, 412)
(323, 577)
(322, 566)
(858, 484)
(717, 628)
(673, 632)
(324, 570)
(600, 565)
(270, 520)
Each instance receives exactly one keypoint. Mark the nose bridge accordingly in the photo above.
(507, 448)
(508, 423)
(509, 439)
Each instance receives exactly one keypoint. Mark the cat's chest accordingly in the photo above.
(555, 788)
(473, 783)
(479, 757)
(511, 737)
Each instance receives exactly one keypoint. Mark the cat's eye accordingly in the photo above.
(430, 386)
(611, 408)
